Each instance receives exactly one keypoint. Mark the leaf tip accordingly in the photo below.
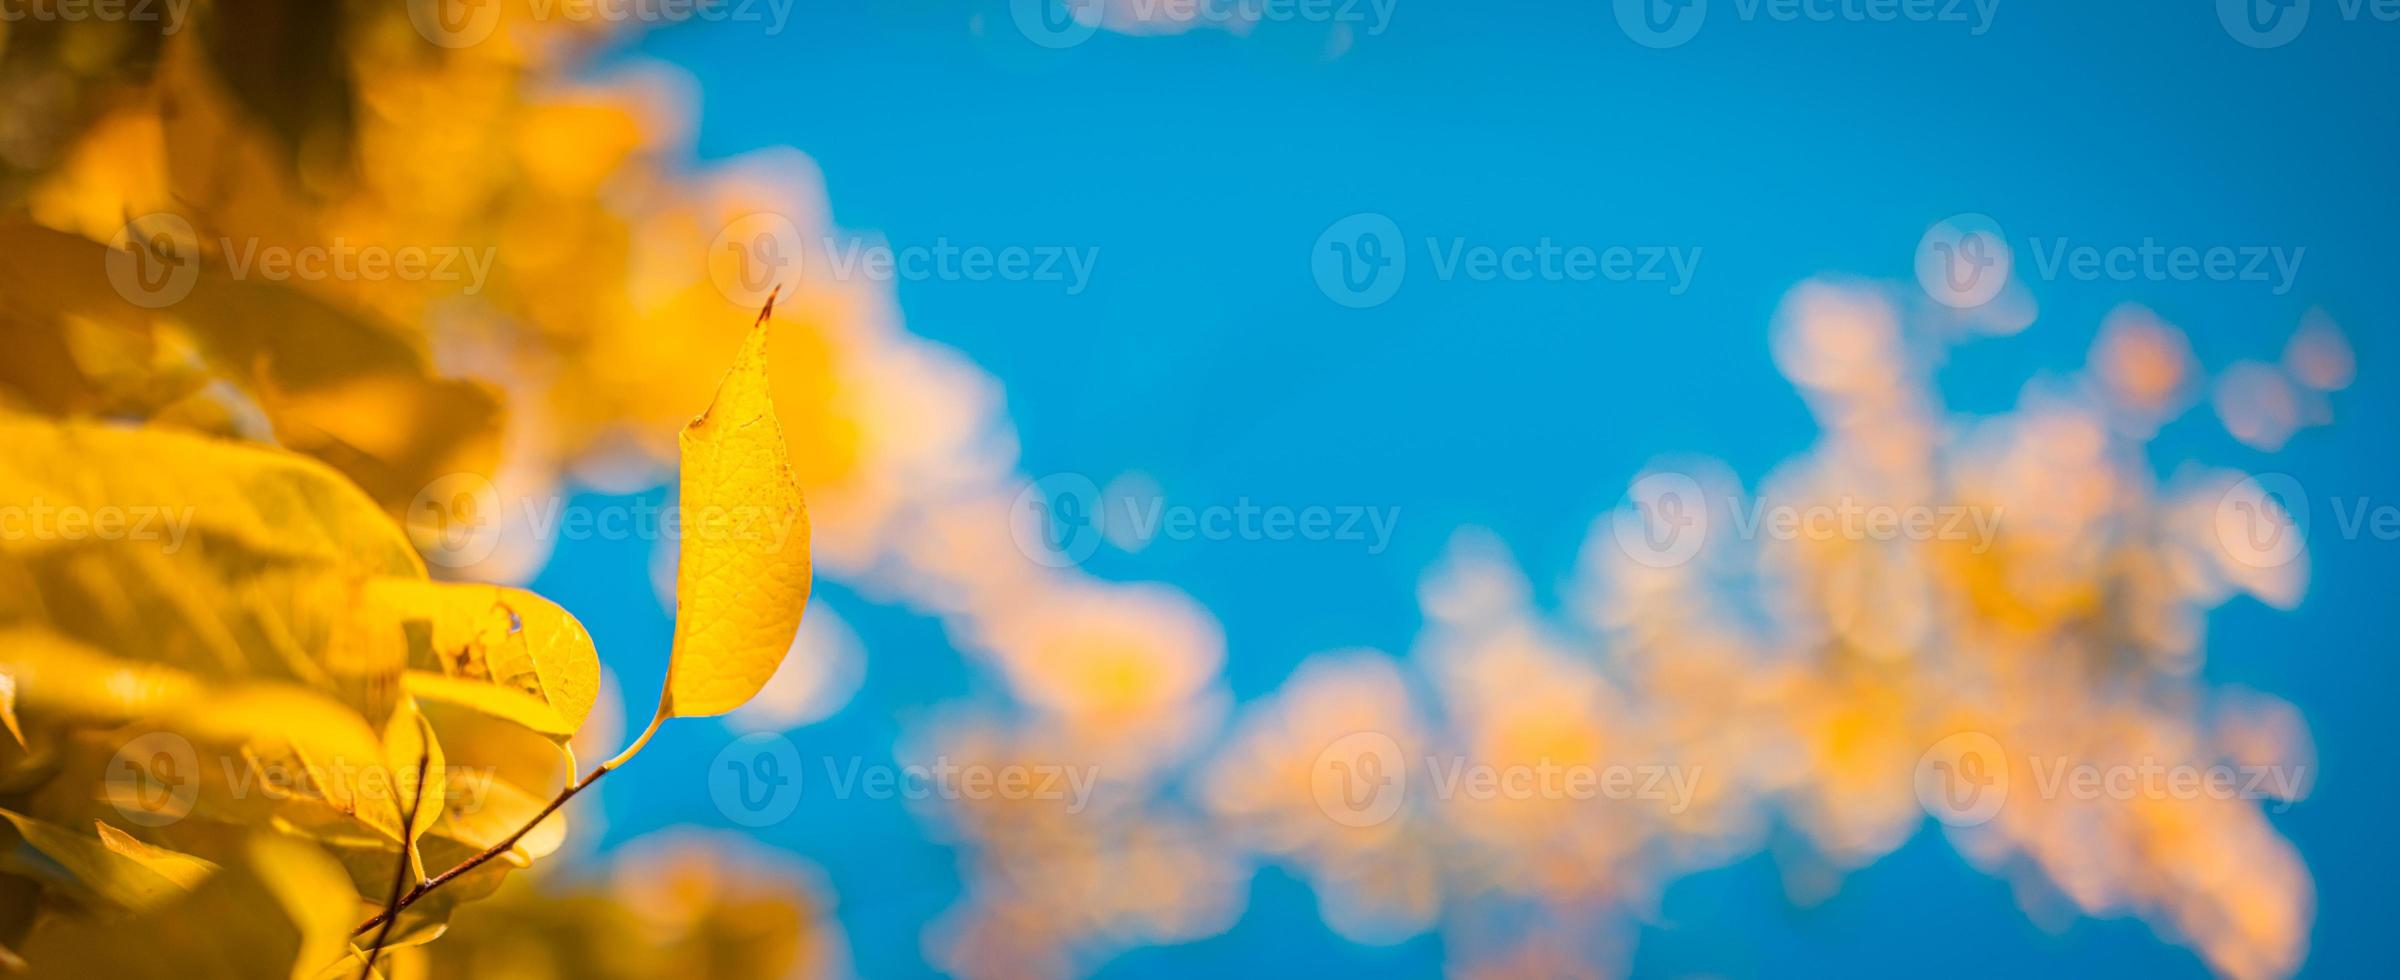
(768, 310)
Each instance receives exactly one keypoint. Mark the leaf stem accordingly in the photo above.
(655, 720)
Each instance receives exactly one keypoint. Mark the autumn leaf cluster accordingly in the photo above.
(241, 716)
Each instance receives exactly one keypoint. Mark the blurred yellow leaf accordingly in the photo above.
(419, 771)
(67, 681)
(257, 605)
(743, 576)
(326, 768)
(343, 386)
(180, 868)
(167, 487)
(330, 769)
(502, 775)
(684, 904)
(8, 707)
(90, 867)
(284, 910)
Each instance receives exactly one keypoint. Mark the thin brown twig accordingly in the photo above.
(408, 850)
(403, 902)
(470, 864)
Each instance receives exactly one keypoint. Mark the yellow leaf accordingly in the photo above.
(290, 742)
(222, 559)
(503, 651)
(291, 635)
(285, 909)
(501, 775)
(260, 749)
(328, 378)
(88, 865)
(489, 698)
(62, 679)
(419, 785)
(8, 708)
(176, 866)
(169, 492)
(742, 580)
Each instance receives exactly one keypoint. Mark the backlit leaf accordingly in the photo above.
(743, 575)
(182, 869)
(284, 909)
(499, 650)
(84, 864)
(173, 490)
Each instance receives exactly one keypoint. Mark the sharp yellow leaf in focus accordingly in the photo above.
(743, 573)
(506, 652)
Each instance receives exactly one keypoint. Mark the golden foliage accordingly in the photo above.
(255, 619)
(216, 642)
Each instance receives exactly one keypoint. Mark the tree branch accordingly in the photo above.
(402, 902)
(397, 905)
(408, 851)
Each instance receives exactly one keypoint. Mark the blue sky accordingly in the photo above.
(1202, 167)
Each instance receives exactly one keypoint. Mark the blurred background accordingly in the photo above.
(1231, 425)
